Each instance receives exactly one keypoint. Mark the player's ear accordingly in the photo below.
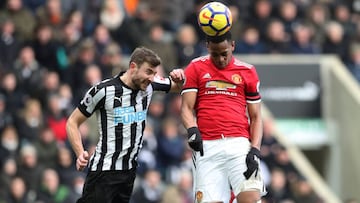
(232, 45)
(133, 66)
(207, 45)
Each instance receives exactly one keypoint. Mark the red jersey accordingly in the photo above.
(222, 96)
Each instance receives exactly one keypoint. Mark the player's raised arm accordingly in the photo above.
(177, 77)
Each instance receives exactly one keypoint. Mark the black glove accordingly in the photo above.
(195, 140)
(252, 162)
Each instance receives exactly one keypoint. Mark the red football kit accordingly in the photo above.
(222, 96)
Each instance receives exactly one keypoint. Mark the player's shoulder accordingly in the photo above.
(201, 59)
(241, 64)
(106, 82)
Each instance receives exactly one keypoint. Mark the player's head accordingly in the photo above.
(142, 67)
(220, 49)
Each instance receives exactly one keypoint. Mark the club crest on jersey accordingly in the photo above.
(199, 196)
(236, 78)
(220, 85)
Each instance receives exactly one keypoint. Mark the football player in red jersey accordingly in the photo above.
(221, 110)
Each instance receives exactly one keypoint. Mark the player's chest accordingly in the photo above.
(127, 98)
(231, 81)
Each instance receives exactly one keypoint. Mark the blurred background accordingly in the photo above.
(307, 54)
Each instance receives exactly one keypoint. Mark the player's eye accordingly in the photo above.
(150, 72)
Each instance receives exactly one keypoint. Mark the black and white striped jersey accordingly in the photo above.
(121, 114)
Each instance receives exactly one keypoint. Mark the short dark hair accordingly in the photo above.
(220, 38)
(142, 54)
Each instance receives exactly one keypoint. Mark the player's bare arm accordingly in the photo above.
(254, 110)
(177, 77)
(72, 127)
(187, 106)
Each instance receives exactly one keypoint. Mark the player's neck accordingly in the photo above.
(126, 79)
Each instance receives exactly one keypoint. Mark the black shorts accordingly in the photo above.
(108, 187)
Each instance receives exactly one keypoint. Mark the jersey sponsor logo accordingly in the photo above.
(220, 85)
(127, 115)
(236, 78)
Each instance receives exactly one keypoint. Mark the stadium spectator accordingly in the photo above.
(17, 12)
(65, 167)
(55, 118)
(6, 118)
(51, 190)
(47, 148)
(288, 14)
(28, 71)
(318, 15)
(170, 149)
(150, 189)
(181, 190)
(342, 15)
(29, 168)
(112, 61)
(45, 47)
(85, 56)
(186, 45)
(250, 42)
(10, 144)
(302, 40)
(18, 192)
(12, 95)
(161, 43)
(335, 41)
(279, 189)
(147, 159)
(277, 39)
(9, 44)
(260, 16)
(30, 121)
(49, 85)
(354, 63)
(51, 14)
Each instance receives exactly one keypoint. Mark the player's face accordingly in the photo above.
(143, 76)
(221, 53)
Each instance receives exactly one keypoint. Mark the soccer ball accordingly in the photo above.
(215, 19)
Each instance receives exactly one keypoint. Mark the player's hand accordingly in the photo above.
(252, 162)
(177, 75)
(195, 140)
(82, 161)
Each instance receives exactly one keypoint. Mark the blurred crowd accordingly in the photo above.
(52, 51)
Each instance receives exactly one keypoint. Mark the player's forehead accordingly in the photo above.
(147, 67)
(221, 47)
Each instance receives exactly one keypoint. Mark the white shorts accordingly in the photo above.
(221, 170)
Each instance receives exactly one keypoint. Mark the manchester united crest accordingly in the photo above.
(199, 196)
(236, 78)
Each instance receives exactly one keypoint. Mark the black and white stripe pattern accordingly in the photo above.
(121, 114)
